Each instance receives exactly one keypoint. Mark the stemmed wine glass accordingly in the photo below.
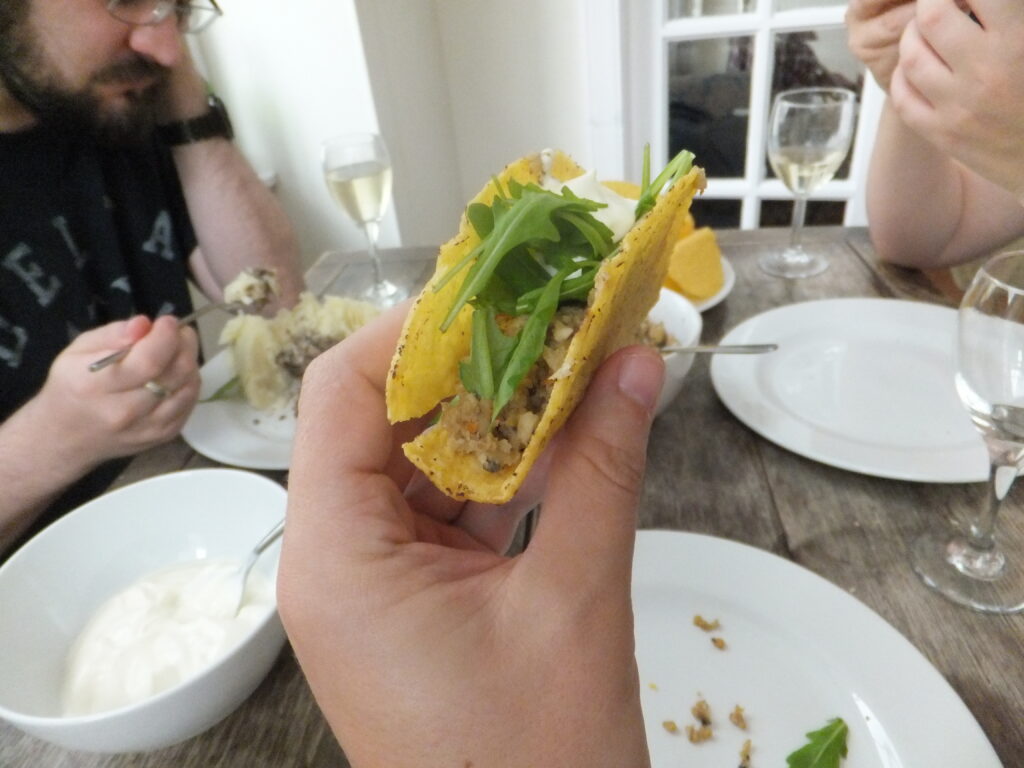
(969, 566)
(357, 169)
(809, 136)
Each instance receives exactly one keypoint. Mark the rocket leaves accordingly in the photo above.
(825, 748)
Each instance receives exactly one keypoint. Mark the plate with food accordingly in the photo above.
(550, 273)
(246, 411)
(750, 653)
(728, 281)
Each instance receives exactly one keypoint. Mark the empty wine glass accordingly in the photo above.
(357, 169)
(809, 136)
(969, 566)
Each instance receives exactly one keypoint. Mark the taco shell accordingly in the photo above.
(425, 368)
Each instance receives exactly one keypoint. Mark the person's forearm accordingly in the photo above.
(237, 220)
(925, 209)
(35, 468)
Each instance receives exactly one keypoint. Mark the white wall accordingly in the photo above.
(517, 74)
(458, 88)
(290, 79)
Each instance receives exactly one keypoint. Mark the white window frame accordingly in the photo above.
(627, 75)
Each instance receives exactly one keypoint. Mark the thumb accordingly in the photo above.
(588, 520)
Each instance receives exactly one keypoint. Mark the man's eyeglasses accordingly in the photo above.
(192, 17)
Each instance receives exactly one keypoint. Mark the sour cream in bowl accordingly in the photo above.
(683, 323)
(117, 635)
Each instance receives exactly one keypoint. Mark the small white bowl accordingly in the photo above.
(52, 585)
(683, 323)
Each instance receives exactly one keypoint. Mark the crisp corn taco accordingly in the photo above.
(526, 301)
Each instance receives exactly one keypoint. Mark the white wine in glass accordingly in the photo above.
(971, 565)
(809, 136)
(357, 169)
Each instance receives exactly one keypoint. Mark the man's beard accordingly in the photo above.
(25, 74)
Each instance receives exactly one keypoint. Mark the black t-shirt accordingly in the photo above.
(88, 235)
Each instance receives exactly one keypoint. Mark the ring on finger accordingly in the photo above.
(158, 390)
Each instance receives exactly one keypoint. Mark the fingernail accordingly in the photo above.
(640, 378)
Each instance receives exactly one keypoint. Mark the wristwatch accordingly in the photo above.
(214, 123)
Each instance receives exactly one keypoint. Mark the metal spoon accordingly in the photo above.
(243, 574)
(727, 349)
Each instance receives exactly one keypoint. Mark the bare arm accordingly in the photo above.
(238, 222)
(927, 210)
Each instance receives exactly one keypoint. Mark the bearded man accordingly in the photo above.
(118, 181)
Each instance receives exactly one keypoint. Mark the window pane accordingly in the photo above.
(719, 214)
(816, 58)
(779, 213)
(790, 5)
(709, 102)
(679, 9)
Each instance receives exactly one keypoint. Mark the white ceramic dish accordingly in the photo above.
(730, 280)
(800, 651)
(683, 322)
(232, 431)
(52, 585)
(860, 384)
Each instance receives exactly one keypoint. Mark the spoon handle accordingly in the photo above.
(730, 349)
(269, 539)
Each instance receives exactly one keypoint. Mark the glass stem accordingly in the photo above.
(982, 532)
(372, 229)
(799, 212)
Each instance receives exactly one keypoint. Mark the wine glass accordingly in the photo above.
(809, 136)
(357, 169)
(968, 565)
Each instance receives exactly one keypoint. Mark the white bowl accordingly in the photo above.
(683, 322)
(52, 585)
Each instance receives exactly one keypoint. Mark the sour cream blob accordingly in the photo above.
(619, 215)
(160, 631)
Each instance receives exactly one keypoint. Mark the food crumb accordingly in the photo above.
(698, 735)
(707, 626)
(702, 712)
(745, 755)
(737, 718)
(718, 642)
(670, 726)
(653, 686)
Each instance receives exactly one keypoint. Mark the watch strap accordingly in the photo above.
(214, 123)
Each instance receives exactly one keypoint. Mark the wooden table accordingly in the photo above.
(707, 473)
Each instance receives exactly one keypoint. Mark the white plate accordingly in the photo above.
(800, 651)
(232, 431)
(730, 280)
(861, 384)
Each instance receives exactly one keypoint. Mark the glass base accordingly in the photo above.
(384, 294)
(793, 263)
(984, 580)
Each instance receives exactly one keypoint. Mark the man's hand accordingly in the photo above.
(958, 85)
(875, 28)
(110, 413)
(423, 644)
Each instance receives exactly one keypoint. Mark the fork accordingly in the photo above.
(227, 306)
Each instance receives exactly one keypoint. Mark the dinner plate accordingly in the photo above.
(861, 384)
(799, 652)
(730, 280)
(232, 431)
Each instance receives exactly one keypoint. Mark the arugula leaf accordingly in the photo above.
(529, 217)
(825, 747)
(229, 390)
(490, 349)
(678, 166)
(530, 344)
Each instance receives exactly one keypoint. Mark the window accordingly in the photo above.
(701, 75)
